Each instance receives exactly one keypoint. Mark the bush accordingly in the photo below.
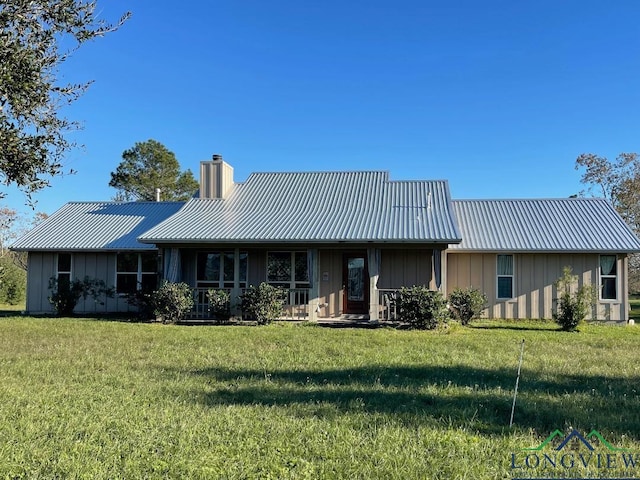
(573, 303)
(219, 304)
(172, 301)
(65, 294)
(144, 303)
(466, 304)
(13, 281)
(421, 307)
(264, 303)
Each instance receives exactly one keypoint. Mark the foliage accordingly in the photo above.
(421, 308)
(144, 303)
(147, 166)
(13, 281)
(219, 303)
(65, 294)
(573, 304)
(87, 399)
(619, 182)
(263, 303)
(466, 304)
(172, 301)
(37, 37)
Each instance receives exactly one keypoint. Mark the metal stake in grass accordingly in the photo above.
(515, 393)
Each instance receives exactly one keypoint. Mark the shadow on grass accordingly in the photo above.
(459, 396)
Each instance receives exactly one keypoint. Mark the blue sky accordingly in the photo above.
(498, 97)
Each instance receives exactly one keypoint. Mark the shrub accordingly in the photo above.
(263, 303)
(65, 294)
(466, 304)
(421, 307)
(144, 303)
(13, 281)
(219, 304)
(573, 303)
(172, 301)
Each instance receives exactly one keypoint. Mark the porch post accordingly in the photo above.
(373, 257)
(314, 290)
(235, 291)
(443, 272)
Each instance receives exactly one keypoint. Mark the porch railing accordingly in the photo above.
(201, 307)
(296, 306)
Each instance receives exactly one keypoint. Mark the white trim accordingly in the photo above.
(512, 276)
(601, 277)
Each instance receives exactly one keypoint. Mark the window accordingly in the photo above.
(136, 271)
(505, 276)
(288, 269)
(217, 269)
(608, 277)
(63, 270)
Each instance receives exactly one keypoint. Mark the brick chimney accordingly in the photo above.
(216, 178)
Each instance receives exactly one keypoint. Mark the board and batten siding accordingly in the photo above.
(102, 266)
(533, 287)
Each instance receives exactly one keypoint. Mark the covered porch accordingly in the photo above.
(320, 283)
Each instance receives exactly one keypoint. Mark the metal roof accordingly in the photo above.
(316, 207)
(97, 226)
(542, 225)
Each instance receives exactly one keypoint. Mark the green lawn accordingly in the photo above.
(95, 399)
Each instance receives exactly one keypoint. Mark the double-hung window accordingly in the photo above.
(288, 269)
(216, 269)
(608, 277)
(505, 276)
(63, 268)
(136, 271)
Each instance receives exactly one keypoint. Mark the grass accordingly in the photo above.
(94, 399)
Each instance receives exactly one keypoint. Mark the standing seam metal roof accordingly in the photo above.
(317, 207)
(97, 226)
(543, 225)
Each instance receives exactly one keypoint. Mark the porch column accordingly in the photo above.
(314, 283)
(373, 258)
(443, 272)
(236, 290)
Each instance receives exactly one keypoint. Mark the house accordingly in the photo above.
(340, 243)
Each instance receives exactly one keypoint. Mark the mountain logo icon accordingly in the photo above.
(575, 435)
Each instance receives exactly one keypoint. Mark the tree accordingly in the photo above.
(36, 37)
(147, 166)
(619, 182)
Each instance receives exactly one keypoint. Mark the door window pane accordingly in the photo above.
(355, 278)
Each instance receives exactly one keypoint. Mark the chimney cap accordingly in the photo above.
(216, 157)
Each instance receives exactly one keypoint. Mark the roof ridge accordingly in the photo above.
(469, 200)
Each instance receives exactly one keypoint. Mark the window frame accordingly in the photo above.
(225, 256)
(502, 275)
(602, 277)
(139, 272)
(64, 272)
(292, 283)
